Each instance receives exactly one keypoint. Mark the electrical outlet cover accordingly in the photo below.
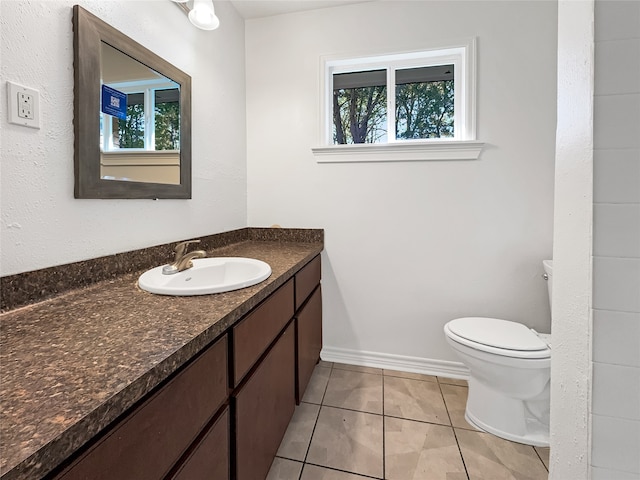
(17, 92)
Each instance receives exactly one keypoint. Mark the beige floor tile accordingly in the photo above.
(453, 381)
(357, 368)
(414, 400)
(283, 469)
(455, 399)
(488, 457)
(317, 385)
(313, 472)
(354, 390)
(543, 453)
(414, 376)
(419, 451)
(298, 435)
(322, 363)
(348, 440)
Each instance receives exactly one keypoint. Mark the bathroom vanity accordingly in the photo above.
(180, 388)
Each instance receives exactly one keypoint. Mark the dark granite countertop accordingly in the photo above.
(72, 364)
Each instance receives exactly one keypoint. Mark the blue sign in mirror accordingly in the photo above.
(114, 102)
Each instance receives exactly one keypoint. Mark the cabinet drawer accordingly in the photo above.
(254, 334)
(306, 280)
(309, 324)
(264, 407)
(147, 443)
(210, 459)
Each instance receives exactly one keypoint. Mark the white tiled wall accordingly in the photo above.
(617, 173)
(615, 337)
(618, 229)
(616, 282)
(618, 391)
(598, 473)
(616, 243)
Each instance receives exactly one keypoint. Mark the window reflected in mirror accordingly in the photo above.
(139, 121)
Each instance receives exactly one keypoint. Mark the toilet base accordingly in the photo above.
(509, 418)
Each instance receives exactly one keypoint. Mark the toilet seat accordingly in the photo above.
(500, 337)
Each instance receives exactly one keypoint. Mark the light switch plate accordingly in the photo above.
(23, 105)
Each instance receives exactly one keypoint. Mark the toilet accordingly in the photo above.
(509, 367)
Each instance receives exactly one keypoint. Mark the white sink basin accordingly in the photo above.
(208, 275)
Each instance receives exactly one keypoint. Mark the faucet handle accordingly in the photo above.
(182, 247)
(186, 261)
(182, 258)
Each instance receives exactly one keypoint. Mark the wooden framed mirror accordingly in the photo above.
(132, 117)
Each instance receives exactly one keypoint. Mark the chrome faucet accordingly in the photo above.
(182, 261)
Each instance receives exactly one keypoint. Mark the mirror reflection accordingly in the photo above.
(131, 117)
(139, 121)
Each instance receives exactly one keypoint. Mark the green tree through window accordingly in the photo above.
(424, 110)
(167, 119)
(424, 104)
(360, 107)
(131, 130)
(360, 114)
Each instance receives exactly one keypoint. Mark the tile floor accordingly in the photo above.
(358, 423)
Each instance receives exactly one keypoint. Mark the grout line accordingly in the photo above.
(413, 378)
(397, 417)
(418, 421)
(352, 410)
(384, 435)
(616, 148)
(452, 384)
(289, 458)
(615, 94)
(616, 257)
(326, 387)
(358, 370)
(464, 464)
(541, 461)
(363, 475)
(617, 203)
(304, 461)
(610, 310)
(315, 424)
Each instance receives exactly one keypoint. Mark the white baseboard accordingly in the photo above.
(427, 366)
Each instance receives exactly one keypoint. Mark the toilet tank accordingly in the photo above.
(548, 270)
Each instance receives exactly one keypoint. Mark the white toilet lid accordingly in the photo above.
(497, 333)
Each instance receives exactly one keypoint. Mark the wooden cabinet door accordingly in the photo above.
(309, 324)
(210, 459)
(264, 406)
(253, 334)
(151, 439)
(307, 279)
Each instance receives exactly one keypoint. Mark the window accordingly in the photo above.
(420, 103)
(152, 122)
(424, 105)
(425, 102)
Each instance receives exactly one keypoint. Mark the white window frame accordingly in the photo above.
(148, 89)
(462, 146)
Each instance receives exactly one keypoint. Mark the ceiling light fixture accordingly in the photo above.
(201, 13)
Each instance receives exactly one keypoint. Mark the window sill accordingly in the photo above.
(399, 152)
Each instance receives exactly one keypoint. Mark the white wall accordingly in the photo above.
(41, 224)
(570, 362)
(410, 246)
(616, 243)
